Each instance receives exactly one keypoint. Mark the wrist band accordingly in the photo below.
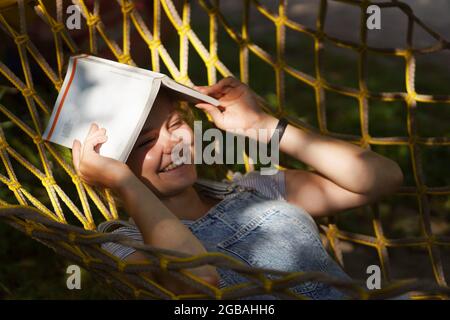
(281, 127)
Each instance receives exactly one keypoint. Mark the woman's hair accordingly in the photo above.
(181, 106)
(187, 115)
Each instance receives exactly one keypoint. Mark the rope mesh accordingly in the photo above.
(51, 214)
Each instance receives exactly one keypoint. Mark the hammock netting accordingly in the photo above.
(42, 196)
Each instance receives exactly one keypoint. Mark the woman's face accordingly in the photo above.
(151, 157)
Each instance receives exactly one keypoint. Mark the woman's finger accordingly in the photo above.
(213, 111)
(76, 155)
(199, 88)
(92, 142)
(230, 81)
(101, 141)
(99, 132)
(217, 88)
(93, 128)
(227, 89)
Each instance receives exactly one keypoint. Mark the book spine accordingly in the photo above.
(51, 127)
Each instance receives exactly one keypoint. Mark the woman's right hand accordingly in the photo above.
(93, 168)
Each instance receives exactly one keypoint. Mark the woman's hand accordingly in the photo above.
(93, 168)
(239, 108)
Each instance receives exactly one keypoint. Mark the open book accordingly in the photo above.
(116, 96)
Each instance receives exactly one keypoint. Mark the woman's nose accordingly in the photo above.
(170, 142)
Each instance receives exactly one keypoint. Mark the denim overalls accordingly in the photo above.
(262, 232)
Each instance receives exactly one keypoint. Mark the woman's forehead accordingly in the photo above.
(158, 114)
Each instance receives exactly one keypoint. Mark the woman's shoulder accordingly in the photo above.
(271, 186)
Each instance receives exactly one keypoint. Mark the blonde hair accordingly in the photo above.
(187, 115)
(181, 106)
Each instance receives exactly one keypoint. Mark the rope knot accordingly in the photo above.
(57, 27)
(163, 264)
(213, 11)
(3, 144)
(48, 182)
(20, 40)
(76, 179)
(183, 79)
(92, 20)
(380, 242)
(37, 139)
(87, 261)
(90, 226)
(127, 7)
(184, 29)
(29, 228)
(242, 42)
(362, 48)
(58, 85)
(121, 265)
(154, 44)
(14, 186)
(332, 231)
(280, 64)
(28, 92)
(318, 84)
(364, 93)
(212, 61)
(411, 98)
(72, 237)
(124, 58)
(267, 285)
(219, 294)
(280, 20)
(422, 189)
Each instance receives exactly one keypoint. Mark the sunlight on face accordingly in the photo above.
(151, 160)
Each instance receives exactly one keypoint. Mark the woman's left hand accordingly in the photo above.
(95, 169)
(239, 108)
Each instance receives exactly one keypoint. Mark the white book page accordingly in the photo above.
(188, 94)
(125, 67)
(115, 99)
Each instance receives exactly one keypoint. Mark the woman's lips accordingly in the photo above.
(175, 168)
(171, 166)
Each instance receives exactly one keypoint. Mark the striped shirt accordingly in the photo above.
(271, 186)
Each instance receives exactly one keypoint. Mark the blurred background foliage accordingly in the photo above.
(30, 270)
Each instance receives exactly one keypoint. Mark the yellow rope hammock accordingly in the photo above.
(53, 217)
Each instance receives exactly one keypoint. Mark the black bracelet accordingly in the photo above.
(281, 127)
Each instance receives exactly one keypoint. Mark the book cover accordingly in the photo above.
(116, 96)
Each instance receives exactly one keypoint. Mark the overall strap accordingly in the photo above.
(218, 189)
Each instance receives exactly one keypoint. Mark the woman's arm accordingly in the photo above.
(347, 176)
(159, 227)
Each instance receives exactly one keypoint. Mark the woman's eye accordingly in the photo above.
(175, 123)
(147, 142)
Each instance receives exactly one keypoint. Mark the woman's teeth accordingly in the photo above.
(171, 167)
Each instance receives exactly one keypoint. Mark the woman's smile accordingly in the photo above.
(171, 166)
(174, 169)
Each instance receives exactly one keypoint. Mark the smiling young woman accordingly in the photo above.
(263, 220)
